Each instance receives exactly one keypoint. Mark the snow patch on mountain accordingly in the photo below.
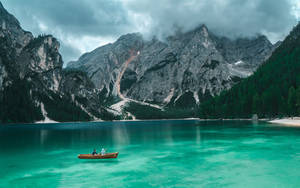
(235, 71)
(45, 115)
(169, 97)
(196, 97)
(119, 106)
(194, 61)
(239, 62)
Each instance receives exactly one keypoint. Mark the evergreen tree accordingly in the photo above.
(298, 101)
(292, 101)
(256, 104)
(273, 90)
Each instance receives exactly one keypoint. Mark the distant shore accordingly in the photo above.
(49, 121)
(295, 121)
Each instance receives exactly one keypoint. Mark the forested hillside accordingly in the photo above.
(272, 91)
(33, 85)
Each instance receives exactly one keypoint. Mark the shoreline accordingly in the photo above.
(293, 122)
(135, 120)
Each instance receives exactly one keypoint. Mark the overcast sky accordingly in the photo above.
(83, 25)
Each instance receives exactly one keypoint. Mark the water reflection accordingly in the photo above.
(150, 151)
(168, 133)
(43, 136)
(120, 135)
(198, 136)
(115, 134)
(90, 135)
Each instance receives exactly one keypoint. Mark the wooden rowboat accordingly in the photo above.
(98, 156)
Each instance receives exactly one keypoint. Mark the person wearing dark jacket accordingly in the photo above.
(94, 152)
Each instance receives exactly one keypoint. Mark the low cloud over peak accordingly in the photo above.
(83, 25)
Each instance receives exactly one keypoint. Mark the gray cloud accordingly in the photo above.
(227, 17)
(73, 21)
(82, 25)
(98, 17)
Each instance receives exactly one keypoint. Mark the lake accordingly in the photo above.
(178, 153)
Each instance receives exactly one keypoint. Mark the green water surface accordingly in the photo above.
(151, 154)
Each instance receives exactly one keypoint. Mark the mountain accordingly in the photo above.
(181, 71)
(33, 85)
(131, 78)
(272, 91)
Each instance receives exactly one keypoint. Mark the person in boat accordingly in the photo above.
(94, 152)
(103, 151)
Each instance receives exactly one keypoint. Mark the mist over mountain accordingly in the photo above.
(98, 22)
(33, 85)
(169, 76)
(272, 91)
(181, 71)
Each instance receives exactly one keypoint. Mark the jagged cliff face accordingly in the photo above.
(33, 85)
(82, 91)
(103, 65)
(41, 62)
(13, 39)
(180, 71)
(186, 66)
(11, 29)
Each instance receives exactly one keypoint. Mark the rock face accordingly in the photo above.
(181, 71)
(33, 85)
(41, 62)
(13, 39)
(184, 67)
(104, 63)
(10, 27)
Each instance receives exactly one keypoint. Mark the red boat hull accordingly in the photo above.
(98, 156)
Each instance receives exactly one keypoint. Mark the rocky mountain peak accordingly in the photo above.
(5, 16)
(182, 71)
(202, 29)
(132, 41)
(41, 59)
(33, 85)
(130, 37)
(8, 21)
(186, 65)
(262, 38)
(11, 30)
(295, 33)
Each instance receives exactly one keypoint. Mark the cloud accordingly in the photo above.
(82, 25)
(93, 17)
(227, 17)
(74, 46)
(296, 9)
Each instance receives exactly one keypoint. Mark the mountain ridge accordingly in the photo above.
(205, 63)
(34, 86)
(272, 91)
(130, 78)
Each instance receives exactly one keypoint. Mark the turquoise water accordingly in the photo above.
(152, 154)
